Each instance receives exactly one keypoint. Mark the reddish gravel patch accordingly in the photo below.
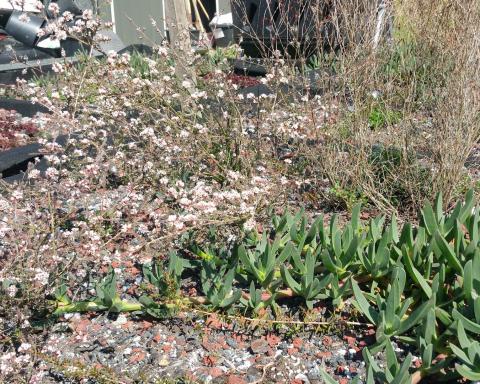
(199, 349)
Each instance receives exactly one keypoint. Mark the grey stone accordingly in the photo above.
(259, 346)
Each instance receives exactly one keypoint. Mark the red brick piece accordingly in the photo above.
(297, 342)
(235, 379)
(215, 372)
(292, 351)
(272, 340)
(324, 355)
(137, 357)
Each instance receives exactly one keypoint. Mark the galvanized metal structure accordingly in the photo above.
(26, 50)
(133, 19)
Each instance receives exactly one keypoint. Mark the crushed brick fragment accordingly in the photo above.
(209, 360)
(272, 340)
(235, 379)
(297, 342)
(137, 357)
(324, 354)
(215, 372)
(292, 351)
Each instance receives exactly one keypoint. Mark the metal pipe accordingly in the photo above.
(4, 16)
(24, 29)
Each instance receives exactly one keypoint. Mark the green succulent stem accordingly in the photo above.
(92, 306)
(452, 300)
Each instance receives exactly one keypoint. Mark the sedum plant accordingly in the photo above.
(166, 280)
(377, 258)
(107, 299)
(263, 263)
(295, 229)
(394, 316)
(218, 286)
(255, 302)
(394, 373)
(339, 248)
(306, 285)
(468, 354)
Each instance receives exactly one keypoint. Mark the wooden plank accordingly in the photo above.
(178, 23)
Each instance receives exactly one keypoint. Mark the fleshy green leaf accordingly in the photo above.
(467, 373)
(402, 376)
(415, 317)
(394, 229)
(427, 356)
(406, 236)
(355, 220)
(61, 294)
(414, 274)
(286, 253)
(448, 253)
(227, 302)
(327, 378)
(392, 362)
(107, 288)
(467, 323)
(429, 219)
(312, 233)
(468, 279)
(363, 304)
(288, 279)
(351, 251)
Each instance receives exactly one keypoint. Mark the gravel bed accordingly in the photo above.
(200, 349)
